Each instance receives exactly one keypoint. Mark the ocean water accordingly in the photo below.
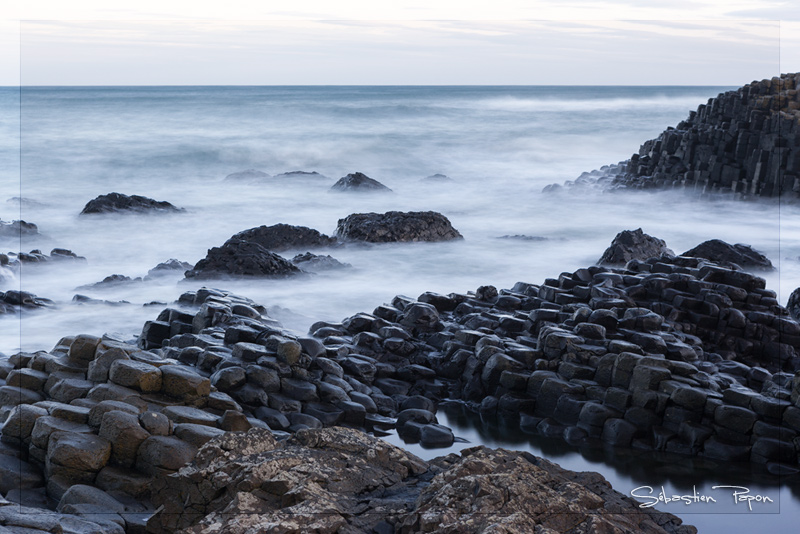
(62, 146)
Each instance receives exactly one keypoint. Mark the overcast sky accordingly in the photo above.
(149, 42)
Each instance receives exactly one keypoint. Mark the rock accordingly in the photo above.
(437, 179)
(17, 229)
(323, 480)
(301, 175)
(139, 375)
(125, 434)
(17, 474)
(316, 263)
(359, 182)
(78, 452)
(793, 305)
(169, 266)
(728, 255)
(633, 245)
(159, 455)
(239, 258)
(250, 175)
(116, 203)
(396, 226)
(280, 237)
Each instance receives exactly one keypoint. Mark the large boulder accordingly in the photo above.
(279, 237)
(728, 255)
(324, 480)
(117, 202)
(633, 245)
(238, 258)
(396, 226)
(358, 182)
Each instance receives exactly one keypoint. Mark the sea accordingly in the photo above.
(500, 145)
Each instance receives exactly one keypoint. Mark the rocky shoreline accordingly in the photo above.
(743, 144)
(671, 353)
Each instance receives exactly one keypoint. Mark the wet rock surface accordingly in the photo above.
(396, 226)
(673, 354)
(634, 245)
(735, 256)
(741, 144)
(342, 480)
(119, 203)
(315, 263)
(280, 237)
(238, 258)
(359, 182)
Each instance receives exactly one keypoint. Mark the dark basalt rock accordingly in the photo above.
(13, 301)
(117, 202)
(114, 280)
(739, 145)
(280, 237)
(249, 175)
(17, 229)
(396, 226)
(241, 258)
(794, 304)
(633, 245)
(171, 265)
(313, 262)
(728, 255)
(359, 182)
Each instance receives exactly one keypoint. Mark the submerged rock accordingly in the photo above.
(728, 255)
(241, 258)
(438, 179)
(396, 226)
(280, 237)
(633, 245)
(117, 202)
(169, 266)
(313, 262)
(248, 175)
(325, 481)
(359, 182)
(301, 175)
(17, 229)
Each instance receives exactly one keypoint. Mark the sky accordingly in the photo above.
(354, 42)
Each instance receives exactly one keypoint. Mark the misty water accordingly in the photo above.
(61, 147)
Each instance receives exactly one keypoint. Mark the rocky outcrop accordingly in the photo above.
(396, 226)
(37, 256)
(742, 143)
(238, 258)
(341, 480)
(359, 182)
(315, 263)
(280, 237)
(119, 203)
(14, 301)
(633, 245)
(17, 229)
(735, 256)
(250, 175)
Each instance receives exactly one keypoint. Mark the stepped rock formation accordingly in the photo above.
(744, 143)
